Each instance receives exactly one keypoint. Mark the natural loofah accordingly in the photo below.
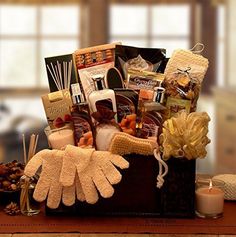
(48, 186)
(124, 144)
(185, 136)
(96, 172)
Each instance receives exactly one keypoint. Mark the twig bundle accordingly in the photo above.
(24, 196)
(61, 76)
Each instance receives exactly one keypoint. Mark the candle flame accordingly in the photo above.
(210, 185)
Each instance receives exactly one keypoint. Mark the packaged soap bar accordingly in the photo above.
(127, 102)
(57, 108)
(141, 59)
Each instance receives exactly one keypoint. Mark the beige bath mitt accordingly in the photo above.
(124, 144)
(183, 59)
(48, 186)
(96, 171)
(74, 158)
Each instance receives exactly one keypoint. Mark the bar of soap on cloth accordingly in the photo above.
(104, 135)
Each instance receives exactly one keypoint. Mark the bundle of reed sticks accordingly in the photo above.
(24, 196)
(61, 77)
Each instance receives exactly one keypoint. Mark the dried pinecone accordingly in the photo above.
(12, 209)
(10, 175)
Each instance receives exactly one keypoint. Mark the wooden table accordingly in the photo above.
(52, 224)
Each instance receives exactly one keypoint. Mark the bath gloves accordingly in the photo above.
(83, 173)
(74, 159)
(48, 186)
(97, 172)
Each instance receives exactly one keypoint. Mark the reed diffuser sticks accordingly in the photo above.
(25, 186)
(61, 74)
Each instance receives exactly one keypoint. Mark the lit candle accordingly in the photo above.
(58, 139)
(209, 201)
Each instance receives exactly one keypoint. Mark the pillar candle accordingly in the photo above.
(58, 139)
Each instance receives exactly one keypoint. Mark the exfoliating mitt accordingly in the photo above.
(48, 186)
(183, 59)
(96, 171)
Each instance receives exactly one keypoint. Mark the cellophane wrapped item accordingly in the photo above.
(187, 59)
(184, 74)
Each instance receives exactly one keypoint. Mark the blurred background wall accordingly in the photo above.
(31, 30)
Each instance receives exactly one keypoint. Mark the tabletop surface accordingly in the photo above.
(64, 224)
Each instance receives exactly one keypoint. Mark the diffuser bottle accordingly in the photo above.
(102, 98)
(28, 205)
(83, 129)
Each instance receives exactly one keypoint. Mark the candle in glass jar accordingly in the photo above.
(209, 201)
(58, 139)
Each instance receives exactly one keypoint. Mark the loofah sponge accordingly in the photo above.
(124, 144)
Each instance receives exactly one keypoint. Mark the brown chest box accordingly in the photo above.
(137, 195)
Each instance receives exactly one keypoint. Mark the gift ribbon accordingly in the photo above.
(161, 175)
(184, 71)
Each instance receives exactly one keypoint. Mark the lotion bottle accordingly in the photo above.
(102, 95)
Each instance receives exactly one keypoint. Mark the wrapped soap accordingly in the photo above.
(105, 127)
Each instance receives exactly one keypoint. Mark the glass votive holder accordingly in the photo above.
(58, 138)
(209, 198)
